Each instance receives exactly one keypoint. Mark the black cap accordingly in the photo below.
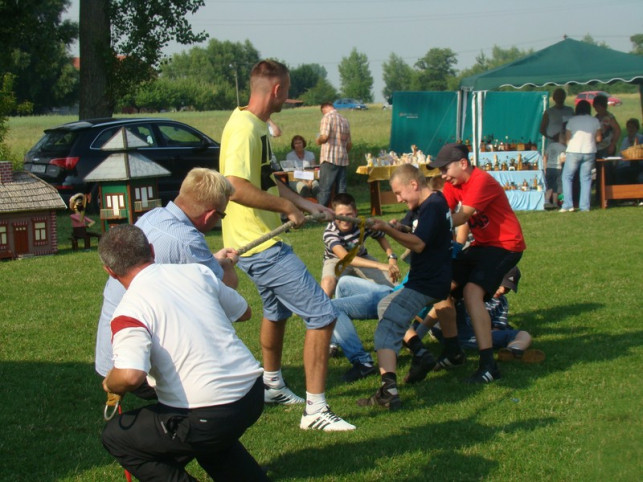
(448, 154)
(511, 279)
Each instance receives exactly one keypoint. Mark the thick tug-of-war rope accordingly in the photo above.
(363, 223)
(348, 258)
(112, 405)
(279, 230)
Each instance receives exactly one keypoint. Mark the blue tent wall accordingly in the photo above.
(513, 116)
(429, 119)
(426, 119)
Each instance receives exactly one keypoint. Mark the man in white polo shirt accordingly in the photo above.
(174, 323)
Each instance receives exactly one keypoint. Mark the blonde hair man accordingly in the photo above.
(177, 232)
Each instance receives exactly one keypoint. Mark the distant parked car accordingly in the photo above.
(589, 97)
(349, 104)
(67, 153)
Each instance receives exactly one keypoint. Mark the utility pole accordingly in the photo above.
(236, 81)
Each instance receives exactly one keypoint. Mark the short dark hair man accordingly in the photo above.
(175, 323)
(335, 141)
(479, 270)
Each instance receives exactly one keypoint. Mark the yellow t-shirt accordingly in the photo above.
(246, 153)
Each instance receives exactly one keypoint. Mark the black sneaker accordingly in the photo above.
(384, 397)
(446, 362)
(333, 351)
(484, 375)
(421, 365)
(359, 371)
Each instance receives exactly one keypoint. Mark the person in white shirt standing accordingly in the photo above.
(583, 132)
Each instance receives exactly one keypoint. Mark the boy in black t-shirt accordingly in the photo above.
(429, 278)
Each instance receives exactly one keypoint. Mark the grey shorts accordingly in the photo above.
(396, 312)
(286, 287)
(553, 179)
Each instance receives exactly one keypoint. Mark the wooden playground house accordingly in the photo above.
(127, 181)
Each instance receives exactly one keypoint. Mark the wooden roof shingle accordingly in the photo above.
(27, 192)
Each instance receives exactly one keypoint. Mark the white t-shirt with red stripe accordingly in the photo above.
(174, 323)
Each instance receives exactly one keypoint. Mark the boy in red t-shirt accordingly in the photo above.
(478, 270)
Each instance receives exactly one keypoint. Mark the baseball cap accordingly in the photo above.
(448, 154)
(511, 279)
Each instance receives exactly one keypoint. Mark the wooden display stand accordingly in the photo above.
(616, 191)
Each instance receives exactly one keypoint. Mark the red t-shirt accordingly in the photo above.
(494, 223)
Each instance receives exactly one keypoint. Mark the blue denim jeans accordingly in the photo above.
(357, 299)
(583, 163)
(330, 175)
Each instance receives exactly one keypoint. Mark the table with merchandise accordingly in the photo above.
(521, 174)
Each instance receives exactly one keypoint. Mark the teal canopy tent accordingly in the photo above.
(566, 62)
(427, 119)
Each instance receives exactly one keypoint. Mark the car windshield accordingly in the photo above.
(56, 141)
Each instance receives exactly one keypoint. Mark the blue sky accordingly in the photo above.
(325, 31)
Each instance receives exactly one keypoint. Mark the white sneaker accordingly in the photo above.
(563, 210)
(281, 396)
(325, 420)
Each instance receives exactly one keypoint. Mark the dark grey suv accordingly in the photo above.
(67, 153)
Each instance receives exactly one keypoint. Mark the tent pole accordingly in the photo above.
(542, 138)
(458, 117)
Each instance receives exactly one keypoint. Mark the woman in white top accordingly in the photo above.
(299, 154)
(303, 159)
(583, 132)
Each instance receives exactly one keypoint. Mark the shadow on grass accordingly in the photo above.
(447, 442)
(51, 417)
(553, 315)
(571, 345)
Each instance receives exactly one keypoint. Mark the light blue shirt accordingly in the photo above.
(175, 241)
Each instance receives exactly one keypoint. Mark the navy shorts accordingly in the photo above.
(485, 266)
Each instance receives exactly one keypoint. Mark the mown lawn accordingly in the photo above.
(574, 417)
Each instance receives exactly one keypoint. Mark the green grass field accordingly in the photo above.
(575, 417)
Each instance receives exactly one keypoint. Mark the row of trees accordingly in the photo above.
(217, 77)
(121, 44)
(207, 78)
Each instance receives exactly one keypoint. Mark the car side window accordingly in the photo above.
(103, 137)
(143, 132)
(178, 136)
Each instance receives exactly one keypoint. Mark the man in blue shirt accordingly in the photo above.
(177, 233)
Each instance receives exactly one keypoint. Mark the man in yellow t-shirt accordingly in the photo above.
(283, 281)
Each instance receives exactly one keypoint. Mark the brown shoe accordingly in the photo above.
(533, 356)
(527, 356)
